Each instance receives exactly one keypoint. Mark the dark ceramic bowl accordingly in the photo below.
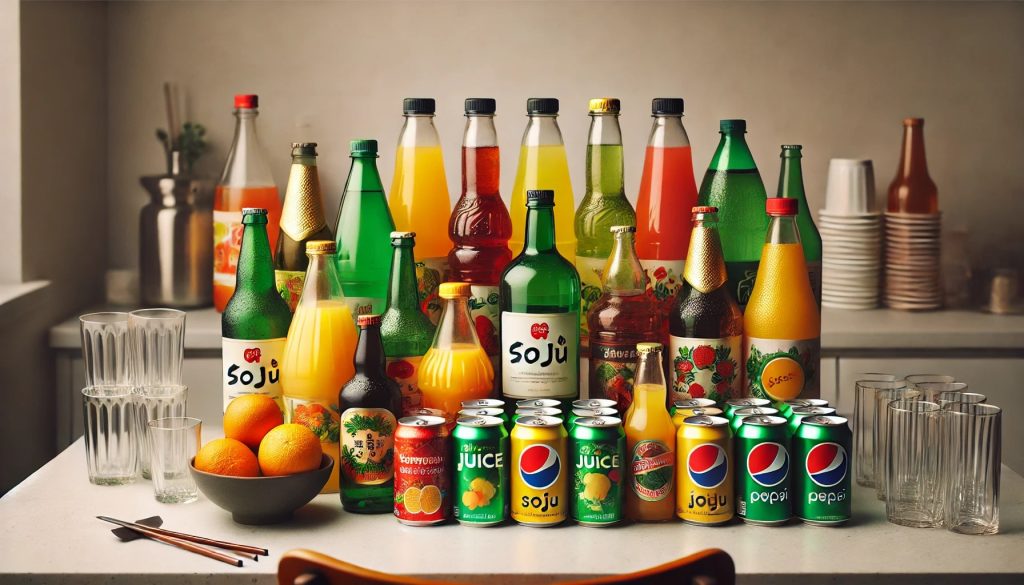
(263, 500)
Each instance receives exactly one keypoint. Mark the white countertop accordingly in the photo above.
(49, 533)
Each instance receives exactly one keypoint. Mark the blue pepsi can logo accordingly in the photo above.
(827, 464)
(768, 464)
(539, 466)
(707, 465)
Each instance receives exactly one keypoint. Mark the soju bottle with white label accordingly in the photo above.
(540, 313)
(255, 321)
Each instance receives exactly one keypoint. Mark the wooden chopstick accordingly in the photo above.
(242, 548)
(177, 542)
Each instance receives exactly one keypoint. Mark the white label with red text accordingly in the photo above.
(540, 354)
(252, 366)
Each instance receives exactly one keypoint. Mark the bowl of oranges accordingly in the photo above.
(263, 469)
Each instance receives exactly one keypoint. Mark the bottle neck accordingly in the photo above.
(783, 230)
(481, 160)
(303, 211)
(791, 178)
(255, 272)
(403, 293)
(650, 372)
(543, 130)
(363, 175)
(733, 153)
(624, 275)
(456, 326)
(705, 265)
(322, 282)
(419, 130)
(912, 158)
(246, 165)
(369, 357)
(667, 132)
(540, 230)
(604, 156)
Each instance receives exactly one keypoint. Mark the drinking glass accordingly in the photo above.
(972, 441)
(110, 445)
(956, 397)
(912, 477)
(915, 379)
(930, 390)
(881, 416)
(173, 443)
(157, 338)
(864, 423)
(153, 402)
(105, 348)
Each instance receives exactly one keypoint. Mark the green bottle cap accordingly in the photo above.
(418, 106)
(541, 106)
(253, 211)
(791, 151)
(540, 198)
(733, 126)
(484, 106)
(363, 147)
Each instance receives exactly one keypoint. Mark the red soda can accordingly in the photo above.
(422, 471)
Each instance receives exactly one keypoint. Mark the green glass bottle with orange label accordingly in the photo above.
(781, 324)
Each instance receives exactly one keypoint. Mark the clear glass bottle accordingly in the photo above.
(650, 442)
(791, 185)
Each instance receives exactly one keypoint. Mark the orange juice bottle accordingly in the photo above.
(781, 324)
(319, 353)
(456, 367)
(650, 442)
(419, 199)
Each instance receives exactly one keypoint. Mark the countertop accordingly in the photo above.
(50, 534)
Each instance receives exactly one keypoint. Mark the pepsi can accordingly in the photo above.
(822, 486)
(734, 404)
(536, 411)
(682, 414)
(704, 481)
(786, 408)
(691, 403)
(539, 488)
(798, 414)
(483, 403)
(742, 413)
(592, 403)
(762, 474)
(538, 403)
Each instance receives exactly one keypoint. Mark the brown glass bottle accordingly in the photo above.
(705, 323)
(913, 191)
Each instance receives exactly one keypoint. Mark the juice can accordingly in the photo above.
(539, 487)
(734, 404)
(489, 411)
(705, 476)
(483, 403)
(763, 471)
(822, 485)
(786, 408)
(691, 403)
(422, 471)
(598, 447)
(577, 413)
(798, 414)
(481, 478)
(742, 413)
(685, 413)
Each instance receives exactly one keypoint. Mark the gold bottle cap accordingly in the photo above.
(623, 229)
(454, 290)
(604, 106)
(321, 247)
(648, 347)
(402, 235)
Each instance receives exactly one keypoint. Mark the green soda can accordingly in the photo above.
(488, 411)
(786, 408)
(538, 403)
(597, 446)
(593, 403)
(741, 413)
(691, 403)
(734, 404)
(483, 403)
(763, 468)
(576, 413)
(801, 412)
(481, 478)
(821, 485)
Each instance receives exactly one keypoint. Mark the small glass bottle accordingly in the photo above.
(650, 442)
(912, 190)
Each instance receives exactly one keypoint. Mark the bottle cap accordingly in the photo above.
(704, 209)
(622, 229)
(247, 101)
(776, 206)
(363, 147)
(303, 148)
(913, 121)
(418, 106)
(648, 347)
(667, 106)
(486, 106)
(403, 235)
(732, 126)
(253, 211)
(791, 151)
(454, 290)
(604, 106)
(536, 106)
(540, 197)
(364, 321)
(321, 247)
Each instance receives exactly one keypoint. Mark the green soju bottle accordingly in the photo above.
(364, 221)
(371, 405)
(604, 204)
(255, 321)
(733, 185)
(406, 329)
(791, 186)
(540, 313)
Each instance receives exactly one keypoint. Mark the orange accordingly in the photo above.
(251, 416)
(430, 499)
(411, 498)
(227, 457)
(289, 449)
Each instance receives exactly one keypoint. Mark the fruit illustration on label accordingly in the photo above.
(367, 445)
(479, 494)
(653, 465)
(252, 355)
(705, 368)
(539, 330)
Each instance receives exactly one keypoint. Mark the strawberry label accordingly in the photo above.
(612, 369)
(252, 355)
(539, 330)
(252, 366)
(289, 286)
(705, 368)
(539, 355)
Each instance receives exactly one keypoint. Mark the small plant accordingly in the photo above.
(191, 143)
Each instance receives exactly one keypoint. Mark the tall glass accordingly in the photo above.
(956, 397)
(151, 403)
(864, 424)
(915, 379)
(105, 348)
(881, 416)
(157, 338)
(930, 391)
(913, 488)
(971, 443)
(110, 446)
(174, 442)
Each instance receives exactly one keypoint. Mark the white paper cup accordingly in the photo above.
(851, 187)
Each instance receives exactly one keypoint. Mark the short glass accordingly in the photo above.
(111, 450)
(881, 415)
(912, 477)
(864, 422)
(105, 348)
(173, 443)
(157, 338)
(153, 402)
(972, 444)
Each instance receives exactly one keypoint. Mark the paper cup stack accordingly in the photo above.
(912, 270)
(851, 236)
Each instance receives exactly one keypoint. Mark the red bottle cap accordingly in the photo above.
(782, 206)
(365, 321)
(247, 101)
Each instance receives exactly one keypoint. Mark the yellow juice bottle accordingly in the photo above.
(650, 442)
(543, 165)
(319, 352)
(781, 324)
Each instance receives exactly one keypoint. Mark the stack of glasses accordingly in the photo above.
(912, 273)
(851, 236)
(931, 450)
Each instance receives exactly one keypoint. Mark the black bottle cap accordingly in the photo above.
(542, 106)
(486, 106)
(541, 198)
(667, 106)
(418, 106)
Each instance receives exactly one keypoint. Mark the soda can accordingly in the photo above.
(422, 471)
(685, 413)
(593, 403)
(741, 413)
(801, 412)
(537, 411)
(691, 403)
(598, 447)
(486, 411)
(428, 412)
(483, 403)
(481, 480)
(822, 487)
(734, 404)
(762, 471)
(538, 403)
(705, 487)
(577, 413)
(539, 488)
(786, 408)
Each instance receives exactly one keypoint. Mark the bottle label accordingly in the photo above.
(405, 372)
(289, 286)
(319, 416)
(368, 445)
(814, 275)
(591, 272)
(364, 306)
(652, 469)
(227, 242)
(483, 308)
(706, 368)
(741, 280)
(539, 354)
(612, 369)
(664, 277)
(430, 273)
(252, 367)
(782, 369)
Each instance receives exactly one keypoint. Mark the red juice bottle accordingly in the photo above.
(480, 225)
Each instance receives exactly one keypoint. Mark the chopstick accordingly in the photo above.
(242, 548)
(177, 542)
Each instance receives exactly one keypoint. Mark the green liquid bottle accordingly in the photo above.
(791, 186)
(733, 185)
(540, 313)
(364, 254)
(406, 330)
(604, 205)
(255, 321)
